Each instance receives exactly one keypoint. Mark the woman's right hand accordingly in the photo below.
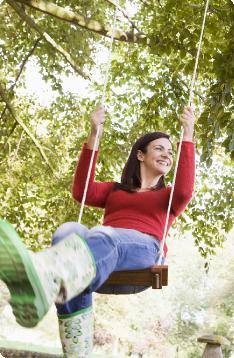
(97, 118)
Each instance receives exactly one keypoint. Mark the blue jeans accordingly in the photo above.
(113, 249)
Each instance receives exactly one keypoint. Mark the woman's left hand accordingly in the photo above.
(187, 120)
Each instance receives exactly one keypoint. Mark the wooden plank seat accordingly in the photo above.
(155, 277)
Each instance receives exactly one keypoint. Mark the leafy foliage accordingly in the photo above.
(148, 86)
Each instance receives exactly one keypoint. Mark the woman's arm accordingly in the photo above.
(184, 184)
(97, 192)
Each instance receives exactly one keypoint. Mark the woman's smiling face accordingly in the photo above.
(158, 158)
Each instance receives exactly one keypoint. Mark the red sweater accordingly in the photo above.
(142, 211)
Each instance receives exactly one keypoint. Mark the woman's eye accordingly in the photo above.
(160, 149)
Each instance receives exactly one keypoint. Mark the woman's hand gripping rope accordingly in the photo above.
(187, 120)
(97, 118)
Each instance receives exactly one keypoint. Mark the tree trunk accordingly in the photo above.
(212, 351)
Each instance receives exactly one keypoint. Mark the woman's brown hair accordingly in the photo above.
(131, 179)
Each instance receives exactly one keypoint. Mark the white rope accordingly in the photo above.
(190, 101)
(106, 78)
(108, 63)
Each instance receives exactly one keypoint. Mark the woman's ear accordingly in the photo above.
(140, 155)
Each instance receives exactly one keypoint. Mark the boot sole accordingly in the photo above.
(28, 299)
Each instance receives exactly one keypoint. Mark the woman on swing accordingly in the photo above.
(80, 259)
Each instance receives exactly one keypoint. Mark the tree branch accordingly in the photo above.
(88, 24)
(21, 70)
(25, 61)
(10, 134)
(47, 38)
(145, 3)
(25, 128)
(195, 92)
(124, 13)
(212, 8)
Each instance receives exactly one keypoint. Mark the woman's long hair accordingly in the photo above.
(131, 178)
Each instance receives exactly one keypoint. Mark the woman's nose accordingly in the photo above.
(165, 154)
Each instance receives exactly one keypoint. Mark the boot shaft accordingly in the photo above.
(76, 333)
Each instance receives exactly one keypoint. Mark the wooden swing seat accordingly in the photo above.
(155, 277)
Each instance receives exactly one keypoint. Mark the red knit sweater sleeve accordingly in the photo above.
(184, 185)
(97, 191)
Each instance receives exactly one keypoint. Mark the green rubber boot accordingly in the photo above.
(76, 333)
(37, 280)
